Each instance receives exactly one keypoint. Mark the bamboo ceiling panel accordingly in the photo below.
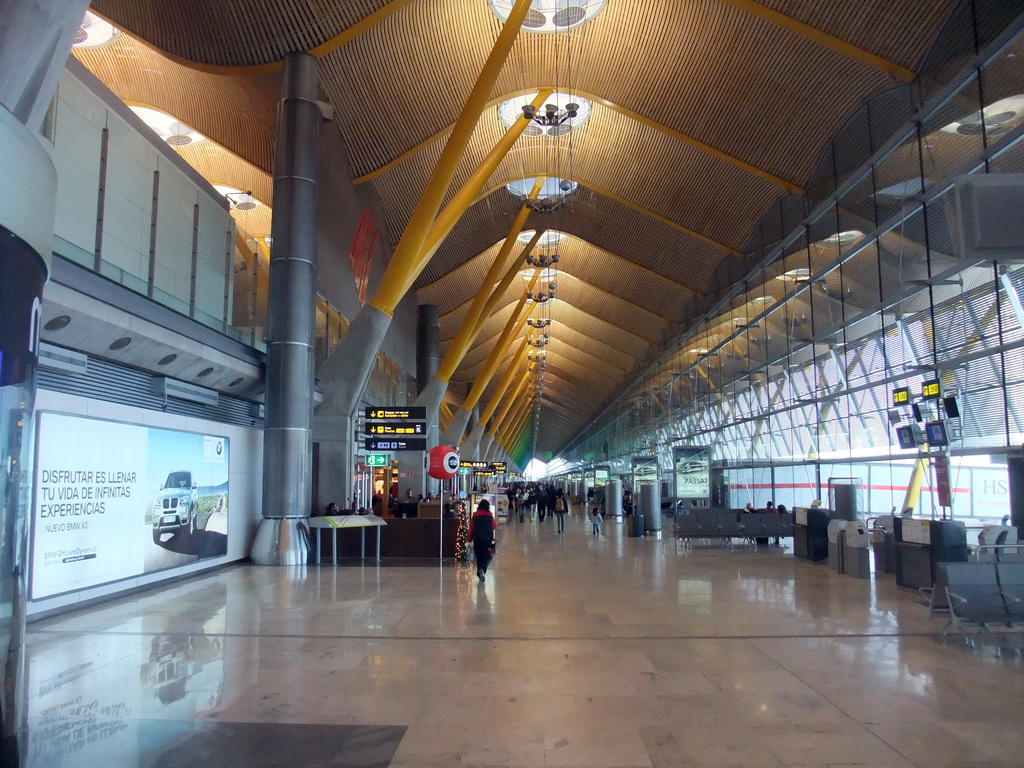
(236, 32)
(139, 75)
(898, 32)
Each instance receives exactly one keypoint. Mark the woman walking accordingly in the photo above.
(482, 532)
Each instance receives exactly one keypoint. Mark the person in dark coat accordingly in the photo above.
(482, 531)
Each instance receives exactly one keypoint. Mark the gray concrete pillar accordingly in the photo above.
(287, 438)
(471, 445)
(453, 435)
(35, 38)
(430, 391)
(1015, 472)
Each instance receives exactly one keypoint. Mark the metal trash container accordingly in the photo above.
(836, 545)
(856, 554)
(636, 525)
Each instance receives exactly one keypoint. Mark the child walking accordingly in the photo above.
(596, 519)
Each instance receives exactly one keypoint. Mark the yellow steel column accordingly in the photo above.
(514, 269)
(482, 302)
(513, 400)
(410, 247)
(914, 486)
(466, 196)
(512, 328)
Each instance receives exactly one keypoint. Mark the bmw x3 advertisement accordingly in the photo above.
(114, 501)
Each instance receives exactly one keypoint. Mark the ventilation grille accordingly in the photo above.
(116, 384)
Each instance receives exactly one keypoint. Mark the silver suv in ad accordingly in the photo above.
(176, 508)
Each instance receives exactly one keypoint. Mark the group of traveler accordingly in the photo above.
(537, 501)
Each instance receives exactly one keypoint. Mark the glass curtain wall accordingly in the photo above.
(863, 289)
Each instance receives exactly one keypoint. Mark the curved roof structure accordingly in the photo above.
(703, 114)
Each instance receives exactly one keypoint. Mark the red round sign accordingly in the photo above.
(443, 462)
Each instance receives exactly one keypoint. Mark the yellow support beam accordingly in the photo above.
(499, 391)
(824, 39)
(514, 269)
(626, 112)
(515, 324)
(466, 195)
(399, 274)
(471, 323)
(513, 400)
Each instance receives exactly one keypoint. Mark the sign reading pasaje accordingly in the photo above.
(412, 413)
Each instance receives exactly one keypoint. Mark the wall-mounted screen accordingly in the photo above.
(114, 500)
(907, 437)
(936, 432)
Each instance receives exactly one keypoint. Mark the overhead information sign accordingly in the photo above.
(396, 428)
(376, 460)
(395, 444)
(473, 464)
(412, 413)
(931, 389)
(499, 467)
(901, 396)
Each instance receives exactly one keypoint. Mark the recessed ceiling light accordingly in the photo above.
(94, 32)
(168, 128)
(236, 382)
(551, 16)
(549, 239)
(998, 117)
(167, 359)
(204, 372)
(57, 323)
(121, 343)
(799, 275)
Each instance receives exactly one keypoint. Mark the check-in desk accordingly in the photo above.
(922, 544)
(810, 532)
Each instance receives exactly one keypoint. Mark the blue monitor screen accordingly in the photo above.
(936, 431)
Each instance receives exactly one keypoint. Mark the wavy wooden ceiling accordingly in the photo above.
(704, 113)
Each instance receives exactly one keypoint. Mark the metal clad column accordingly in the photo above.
(35, 38)
(287, 437)
(428, 344)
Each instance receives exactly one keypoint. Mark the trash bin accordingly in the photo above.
(836, 545)
(856, 555)
(636, 525)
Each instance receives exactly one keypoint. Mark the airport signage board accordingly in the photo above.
(412, 413)
(396, 428)
(376, 460)
(468, 464)
(931, 389)
(115, 501)
(499, 467)
(395, 444)
(901, 396)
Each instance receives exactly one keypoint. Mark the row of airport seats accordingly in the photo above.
(729, 524)
(983, 595)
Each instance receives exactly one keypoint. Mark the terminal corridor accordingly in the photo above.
(576, 651)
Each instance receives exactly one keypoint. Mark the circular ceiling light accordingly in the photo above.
(557, 107)
(121, 343)
(549, 239)
(839, 239)
(998, 117)
(58, 323)
(94, 32)
(550, 16)
(799, 275)
(901, 189)
(553, 187)
(168, 128)
(239, 200)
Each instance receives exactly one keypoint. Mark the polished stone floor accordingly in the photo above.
(575, 652)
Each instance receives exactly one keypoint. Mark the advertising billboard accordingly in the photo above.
(693, 475)
(114, 500)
